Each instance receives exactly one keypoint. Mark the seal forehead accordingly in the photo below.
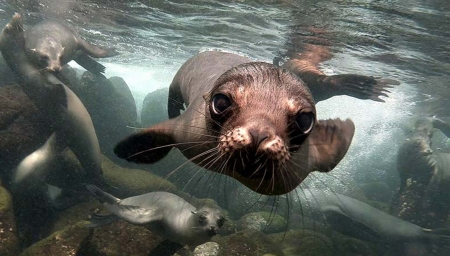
(262, 83)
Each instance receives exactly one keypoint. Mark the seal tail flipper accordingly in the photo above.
(439, 237)
(88, 63)
(166, 248)
(95, 51)
(149, 145)
(99, 220)
(101, 195)
(329, 143)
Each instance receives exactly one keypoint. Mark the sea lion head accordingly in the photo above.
(261, 129)
(265, 116)
(415, 156)
(208, 221)
(48, 54)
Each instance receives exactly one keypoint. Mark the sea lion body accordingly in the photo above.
(66, 115)
(424, 177)
(51, 44)
(165, 213)
(252, 121)
(360, 220)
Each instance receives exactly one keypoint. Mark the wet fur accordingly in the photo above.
(52, 44)
(265, 99)
(67, 116)
(164, 213)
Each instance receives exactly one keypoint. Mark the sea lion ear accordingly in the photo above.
(149, 145)
(329, 142)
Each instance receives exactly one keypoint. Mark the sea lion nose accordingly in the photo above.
(213, 230)
(258, 137)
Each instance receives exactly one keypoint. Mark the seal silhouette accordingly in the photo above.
(424, 176)
(357, 219)
(252, 121)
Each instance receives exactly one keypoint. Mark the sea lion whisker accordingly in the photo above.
(168, 145)
(207, 165)
(328, 187)
(272, 180)
(199, 112)
(263, 177)
(257, 169)
(197, 127)
(189, 160)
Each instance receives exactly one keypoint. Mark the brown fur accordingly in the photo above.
(256, 139)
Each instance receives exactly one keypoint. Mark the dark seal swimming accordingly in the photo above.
(253, 121)
(424, 176)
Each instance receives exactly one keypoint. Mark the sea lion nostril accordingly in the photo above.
(258, 137)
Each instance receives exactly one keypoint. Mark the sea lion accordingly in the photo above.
(253, 121)
(51, 44)
(424, 176)
(360, 220)
(163, 213)
(65, 113)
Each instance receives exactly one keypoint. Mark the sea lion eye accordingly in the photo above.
(220, 103)
(305, 121)
(221, 221)
(43, 58)
(201, 218)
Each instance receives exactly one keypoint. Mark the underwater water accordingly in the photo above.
(404, 40)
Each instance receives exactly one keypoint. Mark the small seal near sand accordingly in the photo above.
(51, 44)
(170, 216)
(252, 121)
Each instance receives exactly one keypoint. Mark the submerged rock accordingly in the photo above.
(304, 243)
(9, 242)
(154, 107)
(112, 109)
(121, 238)
(69, 241)
(22, 129)
(248, 242)
(207, 249)
(263, 221)
(348, 246)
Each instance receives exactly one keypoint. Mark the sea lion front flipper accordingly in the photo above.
(88, 63)
(149, 145)
(358, 86)
(95, 51)
(329, 142)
